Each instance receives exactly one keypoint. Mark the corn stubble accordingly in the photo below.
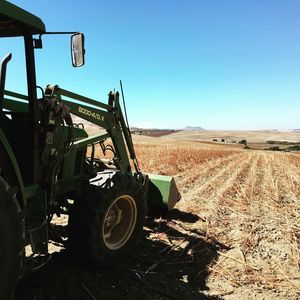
(247, 201)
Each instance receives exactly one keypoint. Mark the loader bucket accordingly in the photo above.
(162, 191)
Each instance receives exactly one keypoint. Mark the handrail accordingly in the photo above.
(16, 95)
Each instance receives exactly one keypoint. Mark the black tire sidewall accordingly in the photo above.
(87, 220)
(11, 241)
(124, 186)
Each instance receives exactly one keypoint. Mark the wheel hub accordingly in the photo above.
(119, 222)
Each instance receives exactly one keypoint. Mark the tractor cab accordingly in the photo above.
(20, 114)
(19, 119)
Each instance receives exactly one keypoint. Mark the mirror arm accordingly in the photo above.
(38, 43)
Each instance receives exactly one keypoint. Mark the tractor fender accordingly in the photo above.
(10, 169)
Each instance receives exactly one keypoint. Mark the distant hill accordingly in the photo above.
(193, 128)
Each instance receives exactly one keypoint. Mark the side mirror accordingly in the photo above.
(77, 49)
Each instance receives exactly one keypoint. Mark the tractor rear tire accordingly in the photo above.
(107, 223)
(11, 240)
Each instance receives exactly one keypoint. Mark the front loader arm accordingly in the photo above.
(126, 131)
(108, 116)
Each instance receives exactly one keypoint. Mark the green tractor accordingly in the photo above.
(48, 166)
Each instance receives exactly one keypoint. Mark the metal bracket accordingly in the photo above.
(38, 43)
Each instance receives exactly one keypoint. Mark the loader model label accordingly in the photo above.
(90, 113)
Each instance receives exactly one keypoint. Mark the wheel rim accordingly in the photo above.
(119, 222)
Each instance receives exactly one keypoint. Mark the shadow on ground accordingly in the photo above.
(169, 263)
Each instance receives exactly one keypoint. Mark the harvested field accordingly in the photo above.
(249, 202)
(252, 136)
(235, 234)
(153, 132)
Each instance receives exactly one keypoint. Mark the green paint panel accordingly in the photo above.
(36, 218)
(36, 201)
(162, 191)
(12, 158)
(11, 13)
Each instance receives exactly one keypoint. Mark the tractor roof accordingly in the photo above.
(15, 21)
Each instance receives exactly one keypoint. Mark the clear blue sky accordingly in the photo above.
(215, 63)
